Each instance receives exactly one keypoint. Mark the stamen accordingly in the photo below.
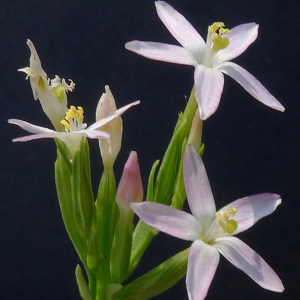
(228, 225)
(73, 119)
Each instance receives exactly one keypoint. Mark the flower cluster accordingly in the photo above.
(101, 227)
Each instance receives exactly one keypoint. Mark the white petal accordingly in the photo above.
(250, 84)
(208, 89)
(198, 190)
(37, 137)
(168, 219)
(92, 133)
(252, 208)
(240, 38)
(202, 264)
(30, 127)
(246, 259)
(109, 118)
(162, 52)
(180, 28)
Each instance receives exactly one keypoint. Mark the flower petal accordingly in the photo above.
(208, 89)
(202, 264)
(92, 133)
(198, 190)
(180, 28)
(168, 219)
(162, 52)
(250, 84)
(240, 38)
(39, 132)
(252, 208)
(109, 118)
(30, 127)
(246, 259)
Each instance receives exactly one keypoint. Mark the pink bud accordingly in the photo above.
(130, 188)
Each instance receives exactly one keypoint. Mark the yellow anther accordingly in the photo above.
(215, 27)
(225, 222)
(73, 118)
(218, 35)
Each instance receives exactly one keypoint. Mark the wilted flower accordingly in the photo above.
(212, 232)
(51, 93)
(210, 59)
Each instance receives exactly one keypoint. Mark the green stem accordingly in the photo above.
(106, 221)
(167, 176)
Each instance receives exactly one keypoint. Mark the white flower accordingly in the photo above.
(74, 127)
(212, 232)
(210, 59)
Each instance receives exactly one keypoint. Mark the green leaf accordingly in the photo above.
(158, 280)
(82, 285)
(63, 180)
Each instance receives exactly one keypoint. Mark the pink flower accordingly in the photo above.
(212, 232)
(211, 58)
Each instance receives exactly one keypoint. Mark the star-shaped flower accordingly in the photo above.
(212, 232)
(74, 127)
(210, 58)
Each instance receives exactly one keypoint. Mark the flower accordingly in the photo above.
(210, 59)
(51, 93)
(212, 232)
(74, 127)
(110, 147)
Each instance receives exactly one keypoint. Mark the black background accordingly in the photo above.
(249, 148)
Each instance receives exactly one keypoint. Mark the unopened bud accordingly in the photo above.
(109, 148)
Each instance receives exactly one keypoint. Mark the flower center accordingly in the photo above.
(225, 222)
(219, 37)
(73, 119)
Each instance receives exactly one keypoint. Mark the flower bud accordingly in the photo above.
(130, 188)
(110, 147)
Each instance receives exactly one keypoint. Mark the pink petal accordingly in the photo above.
(250, 84)
(168, 219)
(162, 52)
(240, 38)
(202, 264)
(109, 118)
(198, 190)
(208, 89)
(252, 208)
(246, 259)
(180, 28)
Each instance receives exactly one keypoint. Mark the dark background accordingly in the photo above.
(249, 148)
